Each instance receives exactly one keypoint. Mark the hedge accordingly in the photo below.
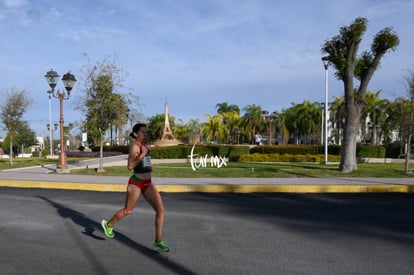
(184, 151)
(256, 157)
(233, 152)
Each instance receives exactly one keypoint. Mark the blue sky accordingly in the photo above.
(194, 54)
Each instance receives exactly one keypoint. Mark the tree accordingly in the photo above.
(187, 131)
(101, 102)
(225, 107)
(156, 125)
(308, 118)
(22, 138)
(252, 120)
(231, 118)
(181, 131)
(214, 129)
(194, 129)
(231, 121)
(374, 109)
(282, 118)
(300, 120)
(342, 53)
(337, 117)
(119, 116)
(13, 108)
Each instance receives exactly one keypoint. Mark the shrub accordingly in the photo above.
(256, 157)
(365, 151)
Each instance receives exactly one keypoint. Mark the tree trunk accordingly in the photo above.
(100, 168)
(408, 156)
(374, 135)
(348, 153)
(11, 149)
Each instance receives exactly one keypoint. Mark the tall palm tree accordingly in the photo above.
(231, 118)
(231, 121)
(302, 120)
(307, 119)
(375, 110)
(337, 117)
(225, 107)
(181, 131)
(193, 126)
(282, 121)
(398, 117)
(252, 120)
(214, 128)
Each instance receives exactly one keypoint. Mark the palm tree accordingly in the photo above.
(282, 121)
(231, 121)
(374, 109)
(399, 117)
(225, 107)
(252, 120)
(214, 128)
(307, 119)
(181, 131)
(193, 126)
(301, 120)
(231, 118)
(337, 116)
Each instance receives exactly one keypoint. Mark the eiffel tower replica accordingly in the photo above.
(167, 138)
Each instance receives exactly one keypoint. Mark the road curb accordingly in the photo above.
(268, 188)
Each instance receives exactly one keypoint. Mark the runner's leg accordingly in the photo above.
(132, 197)
(154, 199)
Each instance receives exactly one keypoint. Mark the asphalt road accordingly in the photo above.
(58, 232)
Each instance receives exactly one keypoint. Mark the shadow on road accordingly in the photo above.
(89, 227)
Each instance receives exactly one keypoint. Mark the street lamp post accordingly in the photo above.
(325, 64)
(322, 122)
(68, 81)
(51, 136)
(50, 123)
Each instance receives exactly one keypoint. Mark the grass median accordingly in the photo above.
(29, 162)
(260, 170)
(234, 169)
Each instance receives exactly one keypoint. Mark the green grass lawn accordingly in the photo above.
(27, 162)
(261, 170)
(236, 169)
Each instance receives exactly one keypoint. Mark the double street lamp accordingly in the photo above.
(68, 81)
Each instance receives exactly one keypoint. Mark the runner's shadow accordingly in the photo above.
(154, 255)
(49, 167)
(89, 226)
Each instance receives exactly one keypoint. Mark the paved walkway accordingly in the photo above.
(40, 177)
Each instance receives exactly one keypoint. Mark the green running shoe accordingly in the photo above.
(161, 246)
(107, 229)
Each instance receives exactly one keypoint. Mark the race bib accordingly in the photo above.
(146, 161)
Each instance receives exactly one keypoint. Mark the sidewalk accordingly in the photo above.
(40, 177)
